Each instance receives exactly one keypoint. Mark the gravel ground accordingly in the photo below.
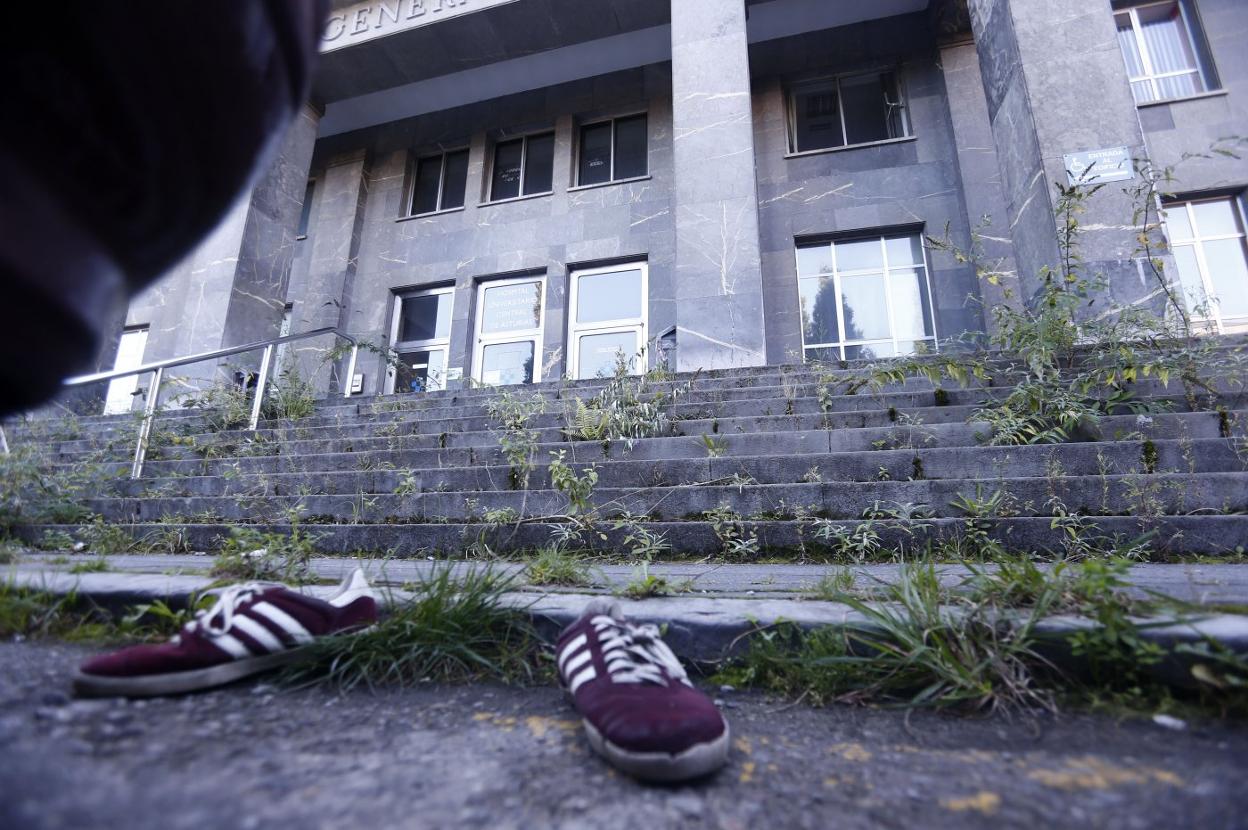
(485, 756)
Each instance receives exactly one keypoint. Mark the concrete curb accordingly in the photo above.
(698, 629)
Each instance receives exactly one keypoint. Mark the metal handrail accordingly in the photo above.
(262, 378)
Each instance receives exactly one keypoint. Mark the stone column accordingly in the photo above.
(980, 171)
(1055, 84)
(341, 194)
(231, 289)
(719, 287)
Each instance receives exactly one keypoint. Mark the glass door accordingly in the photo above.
(421, 335)
(122, 391)
(608, 319)
(509, 331)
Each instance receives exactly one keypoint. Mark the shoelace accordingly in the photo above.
(217, 620)
(637, 653)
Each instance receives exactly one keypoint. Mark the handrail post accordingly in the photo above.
(145, 428)
(261, 380)
(346, 388)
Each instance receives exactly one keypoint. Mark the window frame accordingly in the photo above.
(442, 344)
(1197, 244)
(1203, 68)
(580, 144)
(791, 90)
(415, 170)
(524, 164)
(884, 271)
(619, 325)
(481, 340)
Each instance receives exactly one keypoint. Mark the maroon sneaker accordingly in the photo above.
(251, 628)
(640, 711)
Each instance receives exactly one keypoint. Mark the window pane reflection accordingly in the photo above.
(612, 296)
(599, 352)
(818, 307)
(863, 307)
(515, 307)
(505, 364)
(426, 317)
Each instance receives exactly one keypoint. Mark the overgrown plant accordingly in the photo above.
(514, 414)
(454, 628)
(626, 408)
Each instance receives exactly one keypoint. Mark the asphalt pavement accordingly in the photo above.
(255, 755)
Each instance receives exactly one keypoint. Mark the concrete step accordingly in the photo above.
(765, 401)
(1166, 536)
(695, 439)
(1198, 584)
(1113, 495)
(1210, 455)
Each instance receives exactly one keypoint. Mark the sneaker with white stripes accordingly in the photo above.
(251, 628)
(640, 711)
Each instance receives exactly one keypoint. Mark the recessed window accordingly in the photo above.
(1164, 51)
(613, 150)
(421, 335)
(608, 319)
(439, 182)
(864, 298)
(1207, 239)
(523, 167)
(305, 212)
(846, 111)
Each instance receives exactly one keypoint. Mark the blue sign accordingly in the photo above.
(1099, 166)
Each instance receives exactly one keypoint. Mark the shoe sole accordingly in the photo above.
(694, 762)
(175, 683)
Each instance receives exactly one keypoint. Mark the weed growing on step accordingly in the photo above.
(249, 554)
(715, 447)
(10, 552)
(579, 489)
(30, 613)
(626, 408)
(979, 645)
(645, 585)
(90, 566)
(455, 628)
(104, 538)
(553, 565)
(832, 586)
(514, 414)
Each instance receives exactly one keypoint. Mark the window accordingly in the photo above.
(122, 391)
(421, 334)
(613, 150)
(305, 212)
(509, 331)
(1207, 239)
(608, 318)
(279, 356)
(523, 166)
(864, 298)
(438, 183)
(1162, 50)
(846, 111)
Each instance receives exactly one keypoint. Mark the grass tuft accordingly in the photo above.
(555, 566)
(455, 629)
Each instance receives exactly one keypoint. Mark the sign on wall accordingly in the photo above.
(363, 22)
(1112, 164)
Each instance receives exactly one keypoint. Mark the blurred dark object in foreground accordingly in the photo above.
(128, 131)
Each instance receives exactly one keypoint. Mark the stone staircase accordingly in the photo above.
(767, 464)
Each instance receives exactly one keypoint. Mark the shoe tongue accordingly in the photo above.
(603, 607)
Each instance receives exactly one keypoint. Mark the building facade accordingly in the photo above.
(518, 190)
